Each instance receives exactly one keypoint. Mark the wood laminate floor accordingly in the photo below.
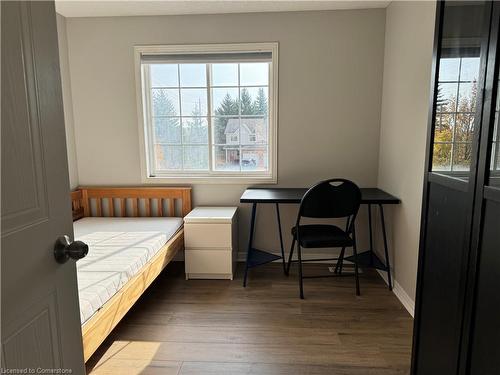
(217, 327)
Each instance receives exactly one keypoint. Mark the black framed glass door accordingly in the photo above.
(459, 65)
(481, 354)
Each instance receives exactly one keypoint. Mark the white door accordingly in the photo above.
(40, 325)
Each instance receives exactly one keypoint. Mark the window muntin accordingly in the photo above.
(211, 124)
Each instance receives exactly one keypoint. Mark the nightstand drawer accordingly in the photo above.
(203, 261)
(208, 235)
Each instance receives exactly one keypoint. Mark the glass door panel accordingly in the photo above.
(494, 178)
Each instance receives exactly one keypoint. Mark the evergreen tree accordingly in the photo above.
(246, 103)
(441, 101)
(228, 107)
(162, 104)
(166, 129)
(260, 103)
(195, 131)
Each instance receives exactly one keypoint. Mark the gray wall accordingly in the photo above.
(330, 90)
(67, 101)
(405, 107)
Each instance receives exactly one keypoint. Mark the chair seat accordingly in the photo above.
(321, 235)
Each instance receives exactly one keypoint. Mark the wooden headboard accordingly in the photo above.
(130, 202)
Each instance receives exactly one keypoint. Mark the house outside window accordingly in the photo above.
(208, 113)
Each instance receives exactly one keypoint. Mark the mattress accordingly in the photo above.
(118, 249)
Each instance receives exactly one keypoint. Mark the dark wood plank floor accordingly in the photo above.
(218, 327)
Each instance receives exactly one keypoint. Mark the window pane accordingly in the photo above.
(196, 157)
(193, 75)
(225, 102)
(164, 75)
(464, 127)
(445, 124)
(167, 130)
(246, 102)
(165, 102)
(467, 96)
(462, 156)
(470, 69)
(225, 74)
(226, 130)
(259, 100)
(194, 102)
(195, 130)
(168, 157)
(254, 158)
(254, 74)
(253, 131)
(447, 97)
(226, 158)
(441, 160)
(449, 69)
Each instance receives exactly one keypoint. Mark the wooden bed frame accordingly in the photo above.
(128, 202)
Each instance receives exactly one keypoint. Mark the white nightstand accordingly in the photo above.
(210, 239)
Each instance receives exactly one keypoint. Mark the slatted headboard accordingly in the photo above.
(130, 202)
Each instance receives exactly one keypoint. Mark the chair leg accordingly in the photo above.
(338, 266)
(301, 281)
(355, 253)
(341, 264)
(287, 271)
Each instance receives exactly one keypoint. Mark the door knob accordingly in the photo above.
(65, 249)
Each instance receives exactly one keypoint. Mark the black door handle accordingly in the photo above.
(65, 249)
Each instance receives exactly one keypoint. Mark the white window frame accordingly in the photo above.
(211, 176)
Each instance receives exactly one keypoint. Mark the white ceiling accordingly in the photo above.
(97, 8)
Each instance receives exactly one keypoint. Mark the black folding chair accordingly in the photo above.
(335, 198)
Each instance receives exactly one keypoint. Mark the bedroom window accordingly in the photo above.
(208, 112)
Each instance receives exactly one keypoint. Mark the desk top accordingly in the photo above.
(294, 195)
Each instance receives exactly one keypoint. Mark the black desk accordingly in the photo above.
(369, 196)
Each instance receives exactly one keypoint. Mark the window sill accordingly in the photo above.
(234, 180)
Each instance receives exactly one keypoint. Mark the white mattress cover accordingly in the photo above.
(118, 249)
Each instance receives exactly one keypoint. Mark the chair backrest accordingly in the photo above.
(334, 198)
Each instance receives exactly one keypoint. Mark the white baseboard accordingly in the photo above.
(403, 297)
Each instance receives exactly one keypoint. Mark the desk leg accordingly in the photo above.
(370, 232)
(386, 250)
(250, 243)
(281, 238)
